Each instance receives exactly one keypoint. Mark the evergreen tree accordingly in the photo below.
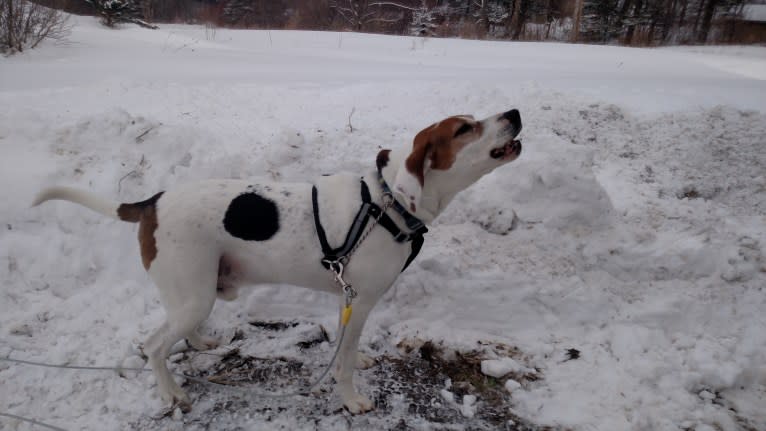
(423, 21)
(115, 11)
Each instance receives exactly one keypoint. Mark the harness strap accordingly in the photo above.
(413, 223)
(366, 210)
(417, 244)
(357, 227)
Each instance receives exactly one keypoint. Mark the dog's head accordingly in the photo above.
(455, 152)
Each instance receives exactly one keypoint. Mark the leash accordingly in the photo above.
(349, 294)
(237, 389)
(32, 421)
(222, 386)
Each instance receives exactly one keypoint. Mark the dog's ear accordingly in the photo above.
(410, 178)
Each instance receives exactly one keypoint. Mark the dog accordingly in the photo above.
(202, 241)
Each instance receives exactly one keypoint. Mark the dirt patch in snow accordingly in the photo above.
(424, 388)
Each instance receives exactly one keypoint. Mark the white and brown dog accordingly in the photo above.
(203, 240)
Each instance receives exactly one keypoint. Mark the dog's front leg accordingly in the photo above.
(363, 361)
(347, 359)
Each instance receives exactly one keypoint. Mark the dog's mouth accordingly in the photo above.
(510, 149)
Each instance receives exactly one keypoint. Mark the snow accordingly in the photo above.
(748, 61)
(631, 228)
(754, 12)
(511, 385)
(500, 367)
(468, 408)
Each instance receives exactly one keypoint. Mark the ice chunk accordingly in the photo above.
(499, 367)
(468, 409)
(511, 385)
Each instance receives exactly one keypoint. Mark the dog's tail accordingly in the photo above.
(130, 212)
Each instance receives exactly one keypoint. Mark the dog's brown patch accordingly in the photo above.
(144, 212)
(146, 238)
(132, 212)
(382, 160)
(439, 143)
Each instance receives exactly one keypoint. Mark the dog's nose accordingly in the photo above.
(514, 118)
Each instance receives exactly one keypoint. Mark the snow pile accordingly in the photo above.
(631, 230)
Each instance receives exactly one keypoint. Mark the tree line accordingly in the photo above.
(627, 22)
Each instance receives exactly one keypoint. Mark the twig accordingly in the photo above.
(133, 172)
(119, 183)
(350, 127)
(139, 138)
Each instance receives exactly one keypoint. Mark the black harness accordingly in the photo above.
(334, 256)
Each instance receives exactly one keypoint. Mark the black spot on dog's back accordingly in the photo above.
(251, 217)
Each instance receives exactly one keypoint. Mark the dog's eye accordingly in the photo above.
(465, 128)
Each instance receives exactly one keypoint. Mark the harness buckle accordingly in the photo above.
(335, 265)
(349, 293)
(338, 267)
(388, 199)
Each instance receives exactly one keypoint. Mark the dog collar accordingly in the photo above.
(413, 223)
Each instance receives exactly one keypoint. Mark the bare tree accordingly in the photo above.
(358, 14)
(577, 21)
(482, 16)
(24, 24)
(253, 13)
(311, 15)
(707, 18)
(517, 18)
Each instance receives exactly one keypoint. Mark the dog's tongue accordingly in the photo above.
(498, 153)
(506, 150)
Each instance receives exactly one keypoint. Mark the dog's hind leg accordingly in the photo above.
(188, 298)
(201, 342)
(157, 348)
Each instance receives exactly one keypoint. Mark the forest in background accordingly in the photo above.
(624, 22)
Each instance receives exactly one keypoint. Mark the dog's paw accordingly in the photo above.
(363, 361)
(176, 397)
(184, 406)
(357, 403)
(202, 342)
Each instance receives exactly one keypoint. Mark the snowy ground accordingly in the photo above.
(619, 262)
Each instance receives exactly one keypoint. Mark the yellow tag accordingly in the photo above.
(346, 316)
